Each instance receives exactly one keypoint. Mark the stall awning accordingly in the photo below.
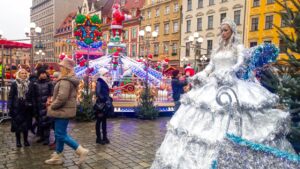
(14, 44)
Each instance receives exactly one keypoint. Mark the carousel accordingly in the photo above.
(127, 76)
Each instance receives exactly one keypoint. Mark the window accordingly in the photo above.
(255, 3)
(167, 10)
(222, 16)
(167, 28)
(199, 24)
(149, 14)
(224, 1)
(237, 17)
(156, 28)
(125, 35)
(174, 48)
(189, 5)
(269, 22)
(156, 49)
(282, 46)
(254, 24)
(157, 12)
(187, 49)
(175, 27)
(133, 33)
(270, 1)
(176, 7)
(166, 47)
(209, 46)
(188, 26)
(211, 2)
(210, 24)
(133, 50)
(200, 3)
(252, 44)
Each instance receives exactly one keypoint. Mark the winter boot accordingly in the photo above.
(106, 141)
(25, 135)
(55, 159)
(82, 152)
(18, 139)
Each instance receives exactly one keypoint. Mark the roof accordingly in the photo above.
(66, 25)
(130, 4)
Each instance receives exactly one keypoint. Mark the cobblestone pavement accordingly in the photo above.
(133, 145)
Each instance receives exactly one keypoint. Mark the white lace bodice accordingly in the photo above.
(225, 60)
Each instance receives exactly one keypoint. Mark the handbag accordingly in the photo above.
(99, 106)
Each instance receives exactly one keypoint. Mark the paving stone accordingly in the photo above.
(133, 146)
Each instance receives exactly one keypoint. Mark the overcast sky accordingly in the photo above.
(14, 17)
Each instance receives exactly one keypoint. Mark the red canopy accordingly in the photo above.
(13, 44)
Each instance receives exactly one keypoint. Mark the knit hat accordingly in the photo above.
(67, 63)
(102, 71)
(42, 69)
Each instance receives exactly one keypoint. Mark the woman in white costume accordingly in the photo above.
(199, 125)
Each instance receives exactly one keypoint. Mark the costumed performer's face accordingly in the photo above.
(226, 32)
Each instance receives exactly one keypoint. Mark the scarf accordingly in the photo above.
(22, 87)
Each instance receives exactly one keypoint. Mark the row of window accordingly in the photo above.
(167, 10)
(256, 3)
(41, 7)
(282, 45)
(42, 14)
(200, 3)
(210, 21)
(268, 22)
(166, 47)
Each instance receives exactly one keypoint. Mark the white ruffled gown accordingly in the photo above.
(199, 125)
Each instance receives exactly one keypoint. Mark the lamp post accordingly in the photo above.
(203, 60)
(184, 60)
(41, 55)
(32, 32)
(147, 35)
(196, 42)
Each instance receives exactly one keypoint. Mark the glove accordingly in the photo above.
(198, 80)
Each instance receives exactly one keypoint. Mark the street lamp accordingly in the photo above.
(41, 55)
(32, 32)
(203, 60)
(147, 35)
(196, 42)
(184, 60)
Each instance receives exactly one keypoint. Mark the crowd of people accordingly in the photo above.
(39, 102)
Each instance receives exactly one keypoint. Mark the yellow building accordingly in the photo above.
(262, 14)
(164, 17)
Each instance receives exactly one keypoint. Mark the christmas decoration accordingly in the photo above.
(87, 31)
(117, 22)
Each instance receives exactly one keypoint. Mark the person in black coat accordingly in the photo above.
(18, 107)
(102, 108)
(177, 88)
(42, 92)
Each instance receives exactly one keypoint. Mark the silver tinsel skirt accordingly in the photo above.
(196, 136)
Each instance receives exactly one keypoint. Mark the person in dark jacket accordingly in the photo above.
(42, 91)
(177, 88)
(101, 112)
(18, 110)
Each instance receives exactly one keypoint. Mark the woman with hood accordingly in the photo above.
(18, 109)
(102, 107)
(62, 108)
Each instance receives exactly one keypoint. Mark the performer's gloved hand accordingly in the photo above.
(199, 79)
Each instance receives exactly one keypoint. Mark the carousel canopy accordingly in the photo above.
(14, 44)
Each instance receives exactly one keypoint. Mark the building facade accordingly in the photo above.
(262, 15)
(164, 17)
(64, 41)
(49, 14)
(205, 17)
